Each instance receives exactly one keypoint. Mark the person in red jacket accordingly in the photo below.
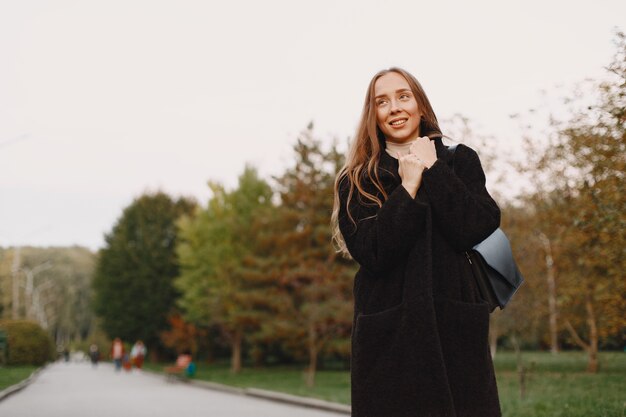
(117, 353)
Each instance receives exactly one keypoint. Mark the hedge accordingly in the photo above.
(28, 343)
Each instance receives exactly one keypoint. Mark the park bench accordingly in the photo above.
(182, 369)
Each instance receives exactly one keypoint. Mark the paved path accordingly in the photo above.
(78, 390)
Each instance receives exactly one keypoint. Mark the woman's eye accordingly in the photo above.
(404, 96)
(381, 102)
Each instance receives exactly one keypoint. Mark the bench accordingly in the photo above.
(181, 370)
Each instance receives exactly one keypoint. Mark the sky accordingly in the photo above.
(101, 101)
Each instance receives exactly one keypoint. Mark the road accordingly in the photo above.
(78, 390)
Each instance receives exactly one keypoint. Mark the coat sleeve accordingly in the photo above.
(462, 208)
(380, 236)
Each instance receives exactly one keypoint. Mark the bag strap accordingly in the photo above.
(452, 151)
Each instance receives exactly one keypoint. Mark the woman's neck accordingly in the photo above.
(394, 148)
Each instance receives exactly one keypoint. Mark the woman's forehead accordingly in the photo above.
(390, 83)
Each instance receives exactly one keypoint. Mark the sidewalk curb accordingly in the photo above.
(270, 395)
(5, 393)
(301, 401)
(217, 387)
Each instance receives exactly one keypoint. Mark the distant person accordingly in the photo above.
(183, 366)
(66, 355)
(407, 209)
(117, 353)
(94, 354)
(138, 354)
(60, 349)
(126, 363)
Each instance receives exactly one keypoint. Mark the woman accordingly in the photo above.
(117, 353)
(138, 354)
(406, 209)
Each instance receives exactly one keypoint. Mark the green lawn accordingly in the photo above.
(557, 386)
(11, 375)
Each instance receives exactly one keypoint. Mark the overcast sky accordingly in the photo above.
(103, 100)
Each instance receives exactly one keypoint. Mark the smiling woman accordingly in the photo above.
(419, 341)
(397, 112)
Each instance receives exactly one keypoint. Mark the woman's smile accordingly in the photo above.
(398, 123)
(397, 112)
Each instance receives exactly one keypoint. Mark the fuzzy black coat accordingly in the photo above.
(419, 341)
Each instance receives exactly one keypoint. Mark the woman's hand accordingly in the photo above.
(410, 170)
(425, 150)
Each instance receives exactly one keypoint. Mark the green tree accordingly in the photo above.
(133, 284)
(214, 282)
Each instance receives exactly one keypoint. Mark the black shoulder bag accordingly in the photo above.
(495, 271)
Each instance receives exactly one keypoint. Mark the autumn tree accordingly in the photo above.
(182, 336)
(315, 281)
(580, 198)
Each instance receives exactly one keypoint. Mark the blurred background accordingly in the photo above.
(167, 168)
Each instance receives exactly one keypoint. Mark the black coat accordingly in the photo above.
(420, 333)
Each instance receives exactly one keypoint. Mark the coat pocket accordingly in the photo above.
(376, 336)
(463, 332)
(382, 364)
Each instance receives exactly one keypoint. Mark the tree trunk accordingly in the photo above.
(15, 269)
(592, 347)
(235, 360)
(521, 368)
(593, 335)
(310, 374)
(493, 338)
(552, 306)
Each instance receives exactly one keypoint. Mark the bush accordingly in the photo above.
(28, 343)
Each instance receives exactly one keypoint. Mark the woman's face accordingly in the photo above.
(397, 114)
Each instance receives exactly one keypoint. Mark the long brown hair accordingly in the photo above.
(365, 149)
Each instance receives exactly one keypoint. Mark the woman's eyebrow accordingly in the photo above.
(397, 91)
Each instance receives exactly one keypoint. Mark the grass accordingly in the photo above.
(11, 375)
(557, 385)
(330, 385)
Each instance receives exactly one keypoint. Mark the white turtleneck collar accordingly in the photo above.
(394, 149)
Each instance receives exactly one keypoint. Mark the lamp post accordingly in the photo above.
(30, 278)
(38, 306)
(15, 269)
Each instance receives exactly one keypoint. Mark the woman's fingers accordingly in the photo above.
(410, 169)
(410, 166)
(425, 150)
(411, 159)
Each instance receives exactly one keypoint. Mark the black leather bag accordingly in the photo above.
(495, 271)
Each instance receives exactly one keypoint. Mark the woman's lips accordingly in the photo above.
(397, 123)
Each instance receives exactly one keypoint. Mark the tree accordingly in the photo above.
(580, 189)
(182, 336)
(134, 291)
(314, 281)
(214, 245)
(53, 288)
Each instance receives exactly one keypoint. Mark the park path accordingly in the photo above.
(77, 389)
